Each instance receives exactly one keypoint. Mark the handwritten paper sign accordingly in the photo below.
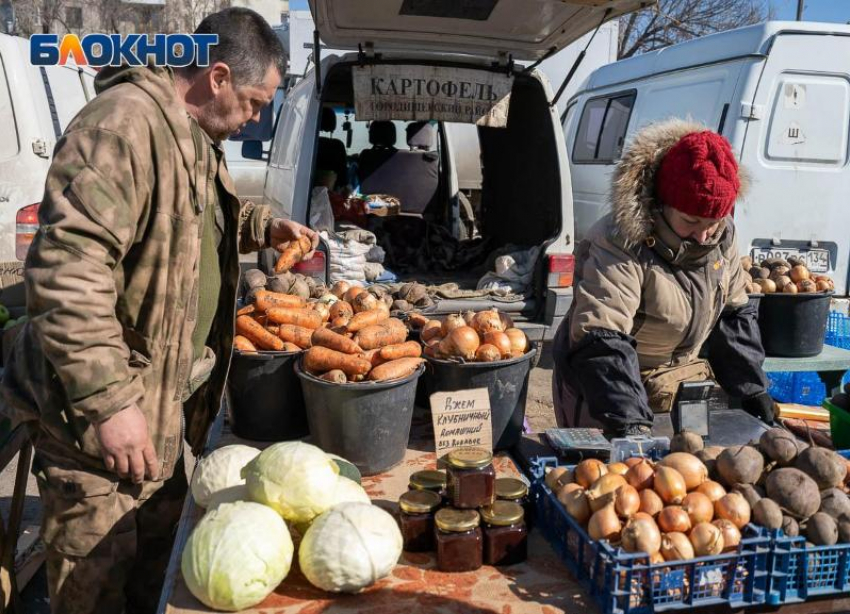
(388, 91)
(461, 419)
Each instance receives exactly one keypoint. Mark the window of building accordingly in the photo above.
(74, 17)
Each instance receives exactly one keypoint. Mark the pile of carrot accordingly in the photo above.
(351, 340)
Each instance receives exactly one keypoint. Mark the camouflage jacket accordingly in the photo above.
(112, 275)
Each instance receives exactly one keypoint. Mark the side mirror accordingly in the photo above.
(253, 150)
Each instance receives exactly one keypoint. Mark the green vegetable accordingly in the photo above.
(220, 470)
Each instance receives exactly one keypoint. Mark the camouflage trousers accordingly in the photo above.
(108, 540)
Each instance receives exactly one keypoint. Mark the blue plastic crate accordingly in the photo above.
(625, 583)
(805, 388)
(838, 330)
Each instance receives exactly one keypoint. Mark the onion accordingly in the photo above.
(676, 547)
(626, 501)
(731, 534)
(340, 288)
(506, 320)
(633, 460)
(461, 343)
(643, 515)
(618, 468)
(322, 309)
(468, 317)
(733, 507)
(706, 539)
(674, 519)
(655, 559)
(641, 535)
(641, 475)
(604, 524)
(431, 330)
(487, 321)
(588, 471)
(352, 293)
(556, 476)
(669, 484)
(698, 507)
(519, 342)
(601, 493)
(501, 341)
(712, 490)
(487, 353)
(452, 322)
(365, 302)
(650, 502)
(565, 489)
(575, 502)
(691, 468)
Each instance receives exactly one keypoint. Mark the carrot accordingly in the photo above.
(329, 339)
(298, 335)
(293, 254)
(379, 336)
(341, 309)
(352, 293)
(251, 329)
(260, 318)
(306, 318)
(247, 309)
(395, 369)
(395, 324)
(341, 322)
(408, 349)
(322, 360)
(417, 320)
(336, 376)
(373, 356)
(290, 347)
(265, 299)
(243, 344)
(366, 318)
(273, 329)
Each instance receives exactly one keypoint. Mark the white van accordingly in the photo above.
(36, 105)
(779, 91)
(525, 197)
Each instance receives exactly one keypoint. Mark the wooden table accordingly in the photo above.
(540, 586)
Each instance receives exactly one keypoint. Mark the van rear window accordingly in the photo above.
(9, 142)
(602, 129)
(476, 10)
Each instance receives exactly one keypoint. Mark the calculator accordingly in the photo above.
(579, 443)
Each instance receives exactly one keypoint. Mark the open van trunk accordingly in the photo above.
(457, 236)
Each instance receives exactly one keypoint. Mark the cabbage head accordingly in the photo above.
(294, 478)
(237, 555)
(219, 470)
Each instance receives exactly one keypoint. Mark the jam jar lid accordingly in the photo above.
(510, 488)
(419, 501)
(428, 479)
(502, 513)
(469, 458)
(456, 521)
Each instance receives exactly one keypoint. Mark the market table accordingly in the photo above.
(831, 364)
(542, 585)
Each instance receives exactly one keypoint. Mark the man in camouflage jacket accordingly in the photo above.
(136, 262)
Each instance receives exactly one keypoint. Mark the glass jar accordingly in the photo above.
(505, 534)
(429, 479)
(459, 540)
(416, 519)
(514, 489)
(471, 478)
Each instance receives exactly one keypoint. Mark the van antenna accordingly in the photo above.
(578, 61)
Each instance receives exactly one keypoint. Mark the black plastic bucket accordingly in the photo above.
(366, 423)
(794, 325)
(264, 397)
(506, 381)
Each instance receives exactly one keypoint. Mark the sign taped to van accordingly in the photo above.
(421, 93)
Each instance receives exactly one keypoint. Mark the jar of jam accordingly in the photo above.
(471, 478)
(429, 479)
(459, 540)
(505, 534)
(514, 489)
(416, 519)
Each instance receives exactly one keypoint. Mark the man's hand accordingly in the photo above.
(283, 231)
(761, 406)
(126, 446)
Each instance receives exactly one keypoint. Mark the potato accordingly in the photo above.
(794, 261)
(834, 502)
(780, 445)
(824, 466)
(767, 514)
(779, 271)
(781, 282)
(790, 526)
(794, 491)
(844, 531)
(740, 465)
(772, 263)
(253, 278)
(790, 288)
(401, 305)
(822, 530)
(768, 286)
(708, 456)
(758, 272)
(686, 441)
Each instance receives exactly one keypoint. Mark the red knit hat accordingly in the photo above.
(699, 176)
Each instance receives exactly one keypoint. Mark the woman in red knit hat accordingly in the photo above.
(657, 280)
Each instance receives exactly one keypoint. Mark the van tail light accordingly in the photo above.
(561, 269)
(26, 225)
(314, 267)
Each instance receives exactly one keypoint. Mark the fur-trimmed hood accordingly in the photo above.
(633, 201)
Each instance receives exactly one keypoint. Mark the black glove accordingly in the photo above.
(761, 406)
(632, 430)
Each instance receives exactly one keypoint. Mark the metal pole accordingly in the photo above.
(800, 10)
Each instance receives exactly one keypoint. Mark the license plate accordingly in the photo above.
(816, 260)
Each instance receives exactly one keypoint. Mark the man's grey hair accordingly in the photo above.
(246, 43)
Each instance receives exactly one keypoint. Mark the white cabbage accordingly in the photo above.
(220, 470)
